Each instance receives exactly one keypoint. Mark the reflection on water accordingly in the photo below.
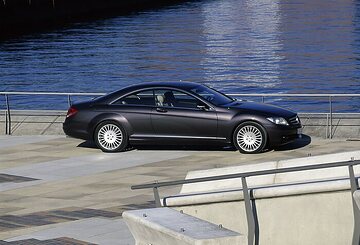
(260, 46)
(242, 52)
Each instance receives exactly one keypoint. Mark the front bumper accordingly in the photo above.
(281, 135)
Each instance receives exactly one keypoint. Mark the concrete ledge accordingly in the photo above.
(268, 186)
(164, 226)
(284, 178)
(357, 198)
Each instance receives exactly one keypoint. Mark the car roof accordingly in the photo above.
(180, 85)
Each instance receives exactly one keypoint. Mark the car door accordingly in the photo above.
(136, 109)
(179, 114)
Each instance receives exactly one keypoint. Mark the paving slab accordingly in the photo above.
(94, 230)
(10, 141)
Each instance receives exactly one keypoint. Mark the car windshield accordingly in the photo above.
(211, 95)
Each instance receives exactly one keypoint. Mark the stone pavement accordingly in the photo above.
(58, 190)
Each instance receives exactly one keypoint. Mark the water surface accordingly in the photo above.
(236, 46)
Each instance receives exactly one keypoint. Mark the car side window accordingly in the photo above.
(173, 98)
(139, 98)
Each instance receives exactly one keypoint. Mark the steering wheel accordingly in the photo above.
(135, 96)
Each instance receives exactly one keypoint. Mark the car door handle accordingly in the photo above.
(162, 110)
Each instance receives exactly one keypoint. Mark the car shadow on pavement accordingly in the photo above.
(87, 144)
(299, 143)
(92, 145)
(185, 147)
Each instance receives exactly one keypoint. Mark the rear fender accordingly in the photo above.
(118, 118)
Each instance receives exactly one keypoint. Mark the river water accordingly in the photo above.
(236, 46)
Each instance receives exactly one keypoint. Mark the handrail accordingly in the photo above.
(250, 214)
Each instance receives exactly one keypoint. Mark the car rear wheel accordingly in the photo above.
(110, 137)
(250, 137)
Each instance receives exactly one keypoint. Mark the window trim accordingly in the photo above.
(183, 108)
(113, 102)
(211, 106)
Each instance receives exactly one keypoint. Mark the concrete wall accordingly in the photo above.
(34, 122)
(342, 125)
(324, 218)
(50, 123)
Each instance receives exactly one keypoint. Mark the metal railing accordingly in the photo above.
(250, 212)
(8, 108)
(330, 97)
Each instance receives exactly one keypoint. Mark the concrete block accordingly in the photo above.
(164, 226)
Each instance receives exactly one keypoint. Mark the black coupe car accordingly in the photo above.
(180, 113)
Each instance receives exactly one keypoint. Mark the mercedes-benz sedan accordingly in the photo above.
(179, 113)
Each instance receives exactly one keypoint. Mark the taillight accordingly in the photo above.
(71, 112)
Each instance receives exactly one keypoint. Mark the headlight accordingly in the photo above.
(278, 120)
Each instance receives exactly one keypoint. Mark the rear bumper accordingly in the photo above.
(73, 130)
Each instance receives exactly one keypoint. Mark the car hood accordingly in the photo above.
(268, 110)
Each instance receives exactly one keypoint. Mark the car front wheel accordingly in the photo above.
(110, 137)
(250, 137)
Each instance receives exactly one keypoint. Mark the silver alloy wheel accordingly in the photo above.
(110, 137)
(249, 138)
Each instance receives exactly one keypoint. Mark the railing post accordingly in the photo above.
(249, 212)
(327, 126)
(157, 197)
(331, 116)
(356, 211)
(8, 122)
(263, 99)
(69, 100)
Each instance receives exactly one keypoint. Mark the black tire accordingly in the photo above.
(250, 137)
(110, 136)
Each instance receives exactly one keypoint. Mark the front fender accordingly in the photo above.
(229, 125)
